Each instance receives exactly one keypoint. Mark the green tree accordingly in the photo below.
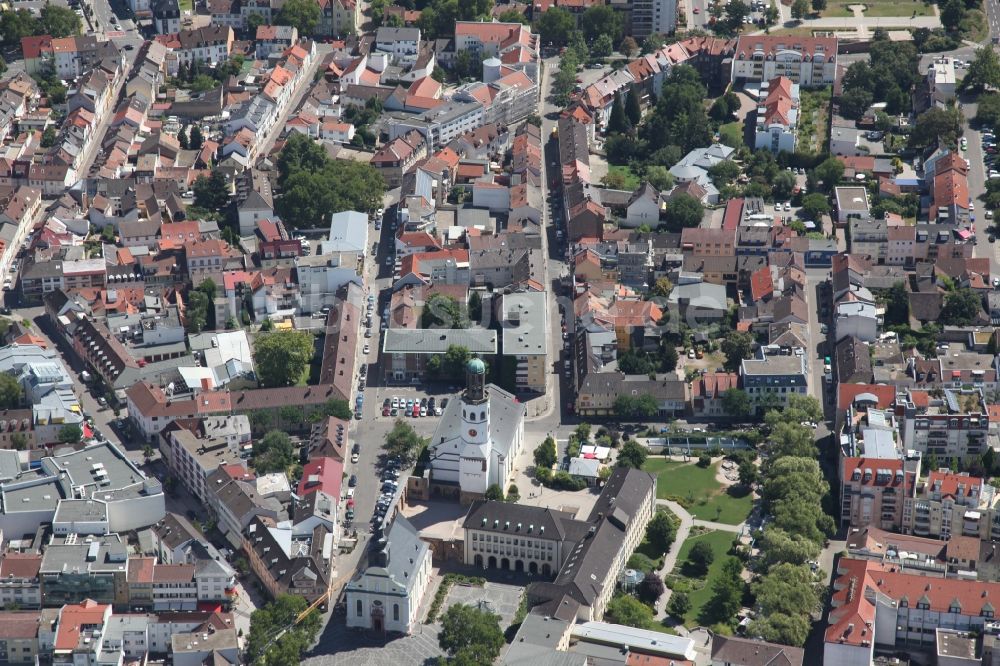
(546, 454)
(628, 47)
(700, 557)
(494, 492)
(16, 24)
(679, 604)
(11, 393)
(818, 5)
(602, 47)
(778, 546)
(725, 172)
(736, 403)
(70, 434)
(988, 109)
(601, 20)
(617, 122)
(252, 22)
(19, 441)
(629, 611)
(197, 140)
(314, 186)
(683, 211)
(748, 474)
(783, 184)
(302, 14)
(279, 618)
(442, 311)
(49, 137)
(475, 307)
(791, 439)
(273, 453)
(815, 206)
(632, 110)
(512, 16)
(660, 178)
(636, 407)
(936, 125)
(736, 11)
(196, 313)
(661, 531)
(283, 357)
(340, 409)
(897, 306)
(211, 193)
(737, 346)
(800, 8)
(961, 307)
(827, 174)
(952, 14)
(182, 139)
(784, 628)
(472, 633)
(59, 21)
(632, 455)
(984, 70)
(727, 592)
(679, 117)
(555, 25)
(403, 441)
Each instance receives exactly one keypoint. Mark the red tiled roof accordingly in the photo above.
(846, 393)
(73, 621)
(323, 474)
(947, 483)
(761, 284)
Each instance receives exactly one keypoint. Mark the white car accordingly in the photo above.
(354, 457)
(994, 173)
(996, 282)
(788, 206)
(777, 207)
(366, 350)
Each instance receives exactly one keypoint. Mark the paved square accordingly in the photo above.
(340, 646)
(498, 598)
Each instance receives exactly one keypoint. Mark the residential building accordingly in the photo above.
(166, 16)
(19, 637)
(406, 351)
(874, 490)
(708, 393)
(875, 603)
(770, 380)
(653, 17)
(941, 80)
(524, 323)
(20, 584)
(950, 504)
(851, 204)
(599, 390)
(402, 43)
(386, 596)
(736, 651)
(287, 560)
(194, 450)
(777, 115)
(952, 423)
(808, 61)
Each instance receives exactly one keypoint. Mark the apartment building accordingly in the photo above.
(777, 115)
(195, 449)
(808, 61)
(950, 503)
(950, 423)
(873, 491)
(770, 380)
(525, 327)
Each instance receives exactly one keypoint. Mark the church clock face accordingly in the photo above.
(472, 432)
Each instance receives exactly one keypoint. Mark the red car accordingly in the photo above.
(415, 412)
(385, 412)
(696, 10)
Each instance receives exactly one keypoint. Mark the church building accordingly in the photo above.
(477, 439)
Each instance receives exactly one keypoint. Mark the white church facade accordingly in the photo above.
(477, 440)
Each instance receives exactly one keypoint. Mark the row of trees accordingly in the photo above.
(314, 186)
(278, 618)
(786, 591)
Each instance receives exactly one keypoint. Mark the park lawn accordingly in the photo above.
(696, 488)
(735, 127)
(631, 179)
(187, 5)
(878, 8)
(720, 542)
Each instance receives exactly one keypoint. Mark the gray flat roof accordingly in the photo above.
(437, 340)
(35, 497)
(74, 510)
(84, 467)
(774, 365)
(524, 318)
